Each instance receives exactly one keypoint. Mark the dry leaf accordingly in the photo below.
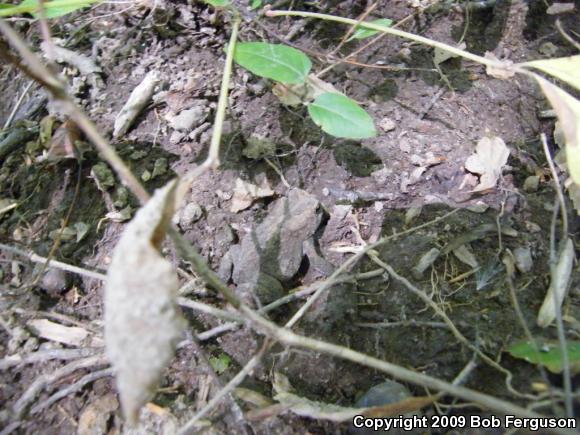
(466, 256)
(246, 193)
(69, 335)
(502, 72)
(135, 104)
(560, 8)
(566, 69)
(558, 285)
(142, 320)
(490, 156)
(326, 411)
(63, 141)
(568, 111)
(95, 417)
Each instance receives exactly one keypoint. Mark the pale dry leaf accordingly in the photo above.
(466, 256)
(135, 104)
(245, 193)
(560, 8)
(327, 411)
(567, 109)
(69, 335)
(574, 194)
(142, 320)
(504, 69)
(566, 69)
(558, 286)
(491, 155)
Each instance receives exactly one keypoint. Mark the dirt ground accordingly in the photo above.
(413, 172)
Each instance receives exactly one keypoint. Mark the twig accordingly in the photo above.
(46, 355)
(230, 386)
(392, 31)
(456, 333)
(289, 338)
(73, 388)
(351, 29)
(557, 186)
(524, 325)
(553, 258)
(213, 158)
(53, 263)
(44, 380)
(17, 105)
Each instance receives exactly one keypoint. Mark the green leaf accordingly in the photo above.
(548, 354)
(256, 4)
(362, 33)
(274, 61)
(56, 9)
(218, 3)
(53, 9)
(220, 364)
(566, 69)
(341, 117)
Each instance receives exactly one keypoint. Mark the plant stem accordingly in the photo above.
(453, 50)
(213, 158)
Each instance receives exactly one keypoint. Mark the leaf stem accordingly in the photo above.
(213, 158)
(449, 48)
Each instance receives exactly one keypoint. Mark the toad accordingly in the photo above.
(272, 253)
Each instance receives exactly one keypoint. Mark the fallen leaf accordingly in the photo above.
(142, 320)
(558, 285)
(466, 256)
(63, 141)
(95, 417)
(566, 69)
(69, 335)
(567, 109)
(560, 8)
(135, 104)
(491, 154)
(246, 193)
(326, 411)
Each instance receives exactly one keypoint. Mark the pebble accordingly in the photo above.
(531, 184)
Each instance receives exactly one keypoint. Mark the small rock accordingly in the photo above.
(190, 214)
(479, 207)
(325, 191)
(379, 206)
(19, 336)
(55, 281)
(387, 124)
(188, 119)
(531, 184)
(405, 146)
(523, 257)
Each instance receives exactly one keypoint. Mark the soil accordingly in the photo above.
(366, 189)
